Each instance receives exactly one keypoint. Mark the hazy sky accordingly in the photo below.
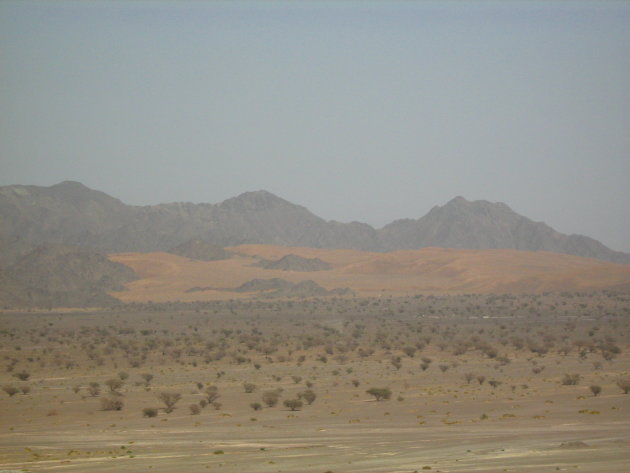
(367, 111)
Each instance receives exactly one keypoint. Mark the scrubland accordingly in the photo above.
(493, 383)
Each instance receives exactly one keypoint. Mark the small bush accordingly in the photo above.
(595, 389)
(379, 393)
(271, 398)
(293, 404)
(249, 387)
(111, 403)
(256, 406)
(10, 390)
(194, 409)
(149, 412)
(22, 375)
(308, 396)
(624, 385)
(169, 399)
(571, 379)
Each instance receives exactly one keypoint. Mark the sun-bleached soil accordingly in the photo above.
(519, 418)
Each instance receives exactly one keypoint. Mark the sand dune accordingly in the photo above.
(167, 277)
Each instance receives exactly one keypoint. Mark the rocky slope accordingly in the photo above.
(72, 214)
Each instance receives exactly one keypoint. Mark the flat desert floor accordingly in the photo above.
(476, 383)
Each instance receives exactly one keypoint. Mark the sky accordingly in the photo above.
(360, 111)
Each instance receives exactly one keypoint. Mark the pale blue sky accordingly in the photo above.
(367, 111)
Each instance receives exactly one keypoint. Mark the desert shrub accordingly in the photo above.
(379, 393)
(147, 378)
(293, 404)
(424, 366)
(308, 396)
(217, 405)
(396, 362)
(570, 379)
(624, 385)
(270, 398)
(10, 390)
(203, 403)
(94, 389)
(114, 384)
(169, 399)
(409, 351)
(256, 406)
(595, 389)
(22, 375)
(149, 412)
(249, 387)
(212, 394)
(468, 377)
(194, 409)
(111, 403)
(481, 379)
(443, 368)
(296, 379)
(25, 389)
(356, 383)
(123, 375)
(76, 388)
(494, 383)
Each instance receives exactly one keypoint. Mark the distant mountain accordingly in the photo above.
(200, 250)
(485, 225)
(72, 214)
(295, 263)
(63, 276)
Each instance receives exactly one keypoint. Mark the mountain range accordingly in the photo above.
(70, 213)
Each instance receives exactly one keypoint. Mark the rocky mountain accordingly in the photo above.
(486, 225)
(72, 214)
(200, 250)
(295, 263)
(63, 276)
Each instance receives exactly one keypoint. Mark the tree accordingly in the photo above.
(308, 396)
(169, 399)
(595, 389)
(10, 390)
(379, 393)
(111, 403)
(270, 398)
(212, 394)
(624, 385)
(114, 384)
(293, 404)
(94, 389)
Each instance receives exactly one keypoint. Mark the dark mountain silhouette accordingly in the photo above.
(63, 276)
(200, 250)
(72, 214)
(295, 263)
(486, 225)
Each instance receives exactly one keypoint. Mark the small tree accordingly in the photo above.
(571, 379)
(468, 377)
(212, 394)
(271, 398)
(296, 379)
(595, 389)
(149, 412)
(169, 399)
(94, 389)
(147, 378)
(22, 375)
(114, 384)
(379, 393)
(249, 387)
(111, 403)
(10, 390)
(293, 404)
(308, 396)
(194, 409)
(256, 406)
(624, 385)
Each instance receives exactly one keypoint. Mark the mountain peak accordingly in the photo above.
(255, 201)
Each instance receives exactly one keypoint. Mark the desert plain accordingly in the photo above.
(443, 383)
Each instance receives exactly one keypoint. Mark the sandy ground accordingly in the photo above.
(435, 421)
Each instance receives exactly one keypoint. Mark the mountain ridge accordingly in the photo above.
(70, 213)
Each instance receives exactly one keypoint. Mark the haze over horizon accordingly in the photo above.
(366, 111)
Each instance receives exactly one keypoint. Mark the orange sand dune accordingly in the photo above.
(166, 277)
